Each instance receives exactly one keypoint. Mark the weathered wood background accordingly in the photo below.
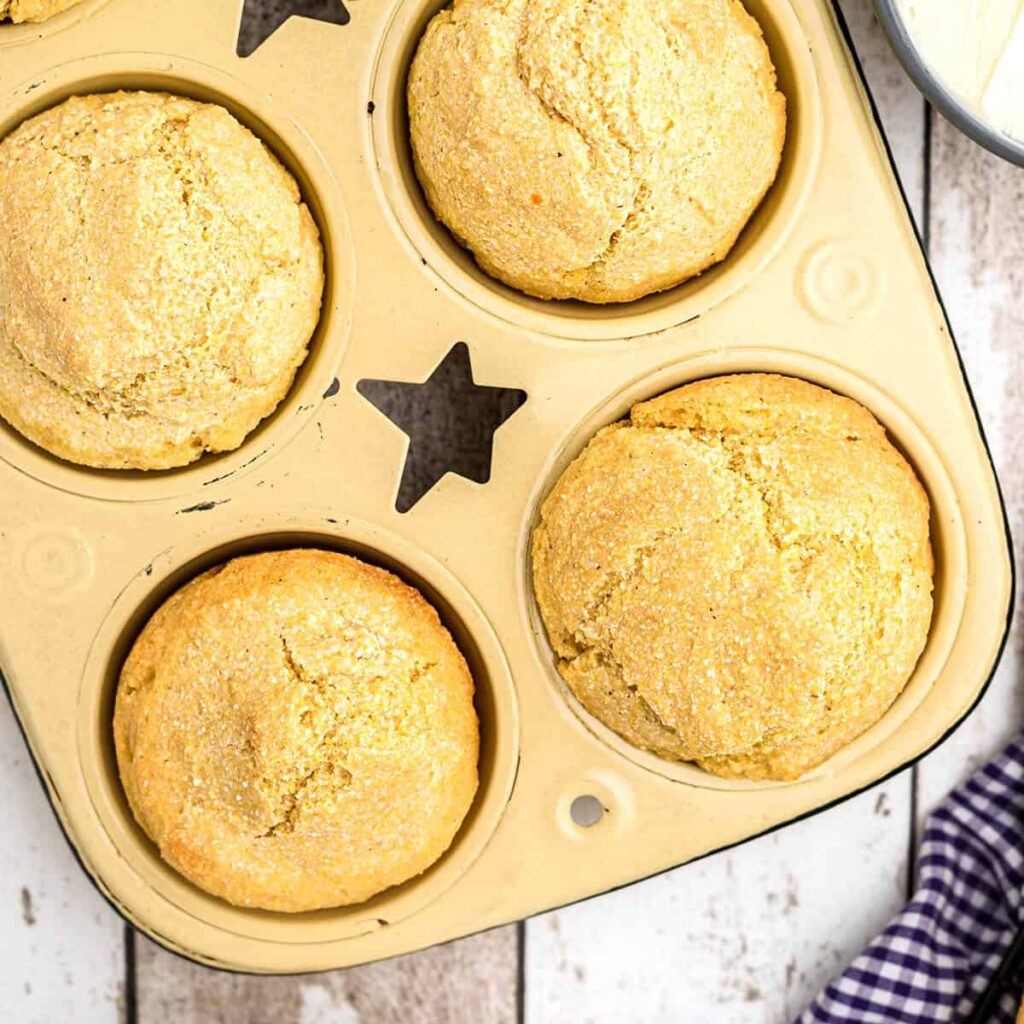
(742, 938)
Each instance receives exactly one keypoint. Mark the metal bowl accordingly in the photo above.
(969, 121)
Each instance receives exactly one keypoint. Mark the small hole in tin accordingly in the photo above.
(586, 811)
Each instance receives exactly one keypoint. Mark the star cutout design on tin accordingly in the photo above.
(449, 419)
(260, 19)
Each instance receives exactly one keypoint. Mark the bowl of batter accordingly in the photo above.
(967, 57)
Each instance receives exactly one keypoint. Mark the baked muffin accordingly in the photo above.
(597, 151)
(32, 10)
(160, 279)
(295, 730)
(740, 574)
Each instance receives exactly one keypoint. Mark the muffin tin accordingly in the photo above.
(827, 283)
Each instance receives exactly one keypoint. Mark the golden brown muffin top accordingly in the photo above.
(740, 574)
(160, 279)
(32, 10)
(598, 151)
(295, 730)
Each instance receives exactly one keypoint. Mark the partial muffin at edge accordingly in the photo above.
(160, 280)
(740, 574)
(599, 151)
(18, 11)
(295, 730)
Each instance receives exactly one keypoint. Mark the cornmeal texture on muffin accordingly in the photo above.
(32, 10)
(160, 280)
(295, 730)
(740, 574)
(598, 151)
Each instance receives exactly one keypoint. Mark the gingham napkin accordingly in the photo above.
(935, 960)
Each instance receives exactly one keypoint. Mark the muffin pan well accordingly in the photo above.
(827, 283)
(765, 232)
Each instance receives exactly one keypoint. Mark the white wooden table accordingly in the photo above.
(741, 938)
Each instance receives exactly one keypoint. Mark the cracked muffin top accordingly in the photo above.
(740, 574)
(597, 150)
(160, 279)
(295, 730)
(32, 10)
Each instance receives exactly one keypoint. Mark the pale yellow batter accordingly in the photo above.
(599, 151)
(740, 574)
(160, 280)
(296, 730)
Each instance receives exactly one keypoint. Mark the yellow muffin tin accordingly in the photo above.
(828, 283)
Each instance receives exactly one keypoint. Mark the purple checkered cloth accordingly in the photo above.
(934, 961)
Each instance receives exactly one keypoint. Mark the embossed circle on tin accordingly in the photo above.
(948, 538)
(838, 280)
(322, 195)
(50, 562)
(432, 243)
(28, 32)
(144, 876)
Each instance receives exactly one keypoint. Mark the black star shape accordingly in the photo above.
(261, 19)
(449, 419)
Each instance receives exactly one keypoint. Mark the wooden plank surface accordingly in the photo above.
(743, 937)
(473, 980)
(976, 241)
(62, 947)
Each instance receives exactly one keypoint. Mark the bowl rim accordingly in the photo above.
(934, 89)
